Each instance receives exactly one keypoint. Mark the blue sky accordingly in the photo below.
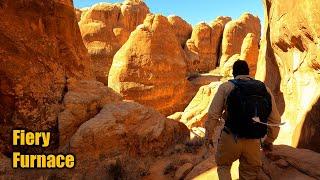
(195, 11)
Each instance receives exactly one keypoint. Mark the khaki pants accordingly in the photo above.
(246, 150)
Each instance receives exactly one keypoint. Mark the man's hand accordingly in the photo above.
(267, 147)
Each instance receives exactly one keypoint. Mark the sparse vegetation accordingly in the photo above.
(169, 168)
(126, 167)
(193, 145)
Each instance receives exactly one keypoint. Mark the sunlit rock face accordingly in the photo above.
(196, 113)
(289, 63)
(218, 26)
(234, 34)
(82, 102)
(106, 27)
(78, 14)
(181, 28)
(286, 162)
(202, 49)
(250, 51)
(150, 67)
(41, 47)
(126, 127)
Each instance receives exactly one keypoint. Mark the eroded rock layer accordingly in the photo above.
(218, 26)
(203, 48)
(289, 64)
(126, 127)
(234, 34)
(106, 27)
(200, 49)
(82, 102)
(150, 67)
(196, 113)
(250, 51)
(181, 28)
(41, 47)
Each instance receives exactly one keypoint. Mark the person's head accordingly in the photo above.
(240, 67)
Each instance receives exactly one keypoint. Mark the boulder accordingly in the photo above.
(181, 28)
(235, 32)
(286, 162)
(126, 127)
(150, 67)
(106, 27)
(196, 113)
(82, 102)
(38, 56)
(250, 52)
(289, 64)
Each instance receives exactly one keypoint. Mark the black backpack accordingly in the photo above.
(248, 99)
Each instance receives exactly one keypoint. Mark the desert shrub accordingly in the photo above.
(169, 168)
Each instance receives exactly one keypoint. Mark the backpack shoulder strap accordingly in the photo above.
(234, 82)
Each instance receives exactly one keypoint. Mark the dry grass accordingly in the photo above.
(193, 145)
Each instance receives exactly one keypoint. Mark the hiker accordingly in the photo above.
(249, 111)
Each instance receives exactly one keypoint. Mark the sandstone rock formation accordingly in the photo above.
(203, 48)
(220, 23)
(196, 113)
(126, 127)
(226, 70)
(150, 67)
(38, 55)
(289, 64)
(199, 49)
(235, 32)
(78, 14)
(82, 102)
(181, 28)
(218, 26)
(285, 162)
(47, 83)
(106, 27)
(250, 51)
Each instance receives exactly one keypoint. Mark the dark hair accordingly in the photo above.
(240, 67)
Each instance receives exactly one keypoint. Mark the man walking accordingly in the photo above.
(249, 110)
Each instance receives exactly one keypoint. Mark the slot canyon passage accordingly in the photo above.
(127, 91)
